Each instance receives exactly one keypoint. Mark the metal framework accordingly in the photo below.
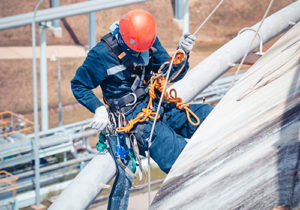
(8, 182)
(42, 16)
(11, 123)
(63, 11)
(16, 148)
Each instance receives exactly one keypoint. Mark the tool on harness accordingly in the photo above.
(130, 141)
(120, 153)
(101, 145)
(135, 150)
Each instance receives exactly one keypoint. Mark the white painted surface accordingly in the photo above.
(87, 184)
(245, 155)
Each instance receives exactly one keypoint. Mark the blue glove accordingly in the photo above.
(187, 42)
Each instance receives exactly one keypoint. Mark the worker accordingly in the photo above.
(122, 64)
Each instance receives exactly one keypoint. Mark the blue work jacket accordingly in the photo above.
(101, 68)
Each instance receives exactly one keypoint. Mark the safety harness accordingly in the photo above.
(138, 88)
(118, 107)
(119, 139)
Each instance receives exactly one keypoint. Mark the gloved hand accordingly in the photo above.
(100, 119)
(187, 42)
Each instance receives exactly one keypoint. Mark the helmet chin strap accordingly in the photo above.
(140, 58)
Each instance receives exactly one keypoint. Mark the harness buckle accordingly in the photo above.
(135, 99)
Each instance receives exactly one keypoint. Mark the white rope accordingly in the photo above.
(208, 17)
(252, 41)
(155, 119)
(161, 97)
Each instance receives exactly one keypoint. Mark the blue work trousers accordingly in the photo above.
(118, 198)
(167, 143)
(170, 131)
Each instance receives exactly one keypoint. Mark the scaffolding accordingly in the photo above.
(12, 123)
(8, 182)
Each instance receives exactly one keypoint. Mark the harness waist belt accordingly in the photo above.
(129, 99)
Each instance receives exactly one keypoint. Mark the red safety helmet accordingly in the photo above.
(138, 30)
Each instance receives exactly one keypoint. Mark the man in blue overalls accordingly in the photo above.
(122, 64)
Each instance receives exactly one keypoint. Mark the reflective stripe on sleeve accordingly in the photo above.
(115, 69)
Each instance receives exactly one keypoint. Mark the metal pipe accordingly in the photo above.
(178, 10)
(54, 167)
(92, 29)
(35, 108)
(50, 141)
(87, 184)
(55, 3)
(63, 11)
(186, 18)
(60, 121)
(43, 77)
(222, 60)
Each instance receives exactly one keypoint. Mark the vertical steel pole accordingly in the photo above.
(35, 108)
(186, 18)
(43, 78)
(92, 29)
(15, 204)
(178, 10)
(59, 92)
(55, 3)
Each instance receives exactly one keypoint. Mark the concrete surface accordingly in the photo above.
(136, 202)
(73, 51)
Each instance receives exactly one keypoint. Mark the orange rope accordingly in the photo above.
(147, 112)
(180, 105)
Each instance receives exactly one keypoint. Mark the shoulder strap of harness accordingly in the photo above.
(113, 46)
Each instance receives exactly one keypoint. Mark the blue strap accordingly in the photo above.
(119, 195)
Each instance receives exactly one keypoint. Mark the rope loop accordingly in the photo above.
(182, 106)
